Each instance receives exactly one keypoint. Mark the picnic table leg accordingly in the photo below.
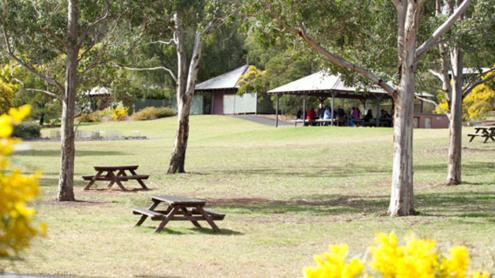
(143, 217)
(93, 180)
(166, 219)
(208, 218)
(143, 185)
(188, 215)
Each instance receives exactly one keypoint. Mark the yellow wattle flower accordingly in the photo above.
(19, 114)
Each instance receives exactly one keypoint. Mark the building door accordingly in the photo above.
(218, 104)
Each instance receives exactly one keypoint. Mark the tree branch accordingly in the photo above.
(480, 81)
(337, 60)
(169, 42)
(421, 50)
(170, 72)
(46, 92)
(436, 74)
(29, 67)
(435, 104)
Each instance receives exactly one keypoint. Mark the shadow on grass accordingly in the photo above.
(52, 181)
(353, 170)
(193, 230)
(451, 204)
(347, 170)
(78, 153)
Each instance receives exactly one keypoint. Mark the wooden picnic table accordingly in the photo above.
(178, 208)
(485, 132)
(115, 175)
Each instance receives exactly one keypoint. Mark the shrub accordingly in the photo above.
(151, 113)
(27, 131)
(417, 258)
(93, 117)
(120, 113)
(16, 190)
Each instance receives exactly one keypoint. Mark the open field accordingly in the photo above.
(287, 194)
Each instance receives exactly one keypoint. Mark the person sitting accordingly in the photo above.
(340, 117)
(385, 118)
(355, 116)
(367, 118)
(310, 117)
(327, 114)
(299, 114)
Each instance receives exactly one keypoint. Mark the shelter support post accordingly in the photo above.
(304, 110)
(377, 117)
(332, 104)
(276, 110)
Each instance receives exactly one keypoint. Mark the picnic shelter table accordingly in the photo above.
(115, 175)
(178, 208)
(485, 132)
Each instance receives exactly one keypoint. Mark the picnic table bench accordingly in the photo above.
(320, 122)
(485, 132)
(178, 208)
(115, 175)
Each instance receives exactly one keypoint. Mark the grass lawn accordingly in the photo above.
(287, 194)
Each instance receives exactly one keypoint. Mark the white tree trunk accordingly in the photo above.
(66, 178)
(402, 193)
(186, 82)
(455, 128)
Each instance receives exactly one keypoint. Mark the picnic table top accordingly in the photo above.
(484, 127)
(178, 200)
(115, 168)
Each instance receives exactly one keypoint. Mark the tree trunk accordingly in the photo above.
(66, 179)
(186, 79)
(455, 128)
(402, 193)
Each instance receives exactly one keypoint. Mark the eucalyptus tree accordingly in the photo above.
(185, 26)
(40, 35)
(471, 45)
(367, 39)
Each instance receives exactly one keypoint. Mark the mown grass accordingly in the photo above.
(287, 194)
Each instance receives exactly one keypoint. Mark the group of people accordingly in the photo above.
(342, 118)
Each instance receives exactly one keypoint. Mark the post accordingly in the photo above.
(304, 109)
(276, 111)
(332, 104)
(377, 111)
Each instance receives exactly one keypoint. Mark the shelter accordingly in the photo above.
(325, 85)
(99, 98)
(221, 94)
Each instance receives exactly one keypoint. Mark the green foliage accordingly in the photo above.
(27, 130)
(152, 113)
(8, 87)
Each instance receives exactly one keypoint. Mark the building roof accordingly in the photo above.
(225, 81)
(98, 91)
(323, 83)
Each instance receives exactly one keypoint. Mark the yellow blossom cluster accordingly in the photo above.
(120, 113)
(16, 225)
(417, 258)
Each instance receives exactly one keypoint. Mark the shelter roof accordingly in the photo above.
(98, 91)
(323, 83)
(225, 81)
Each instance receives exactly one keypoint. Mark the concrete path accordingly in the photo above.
(263, 119)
